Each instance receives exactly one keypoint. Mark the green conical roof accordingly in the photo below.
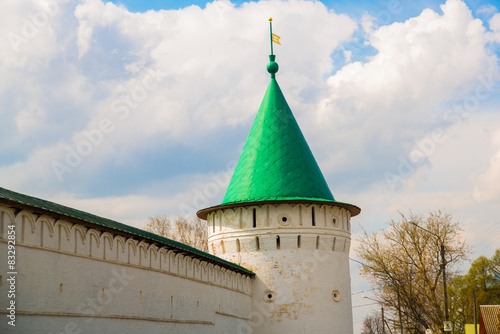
(276, 162)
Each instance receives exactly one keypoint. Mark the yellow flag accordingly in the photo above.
(276, 39)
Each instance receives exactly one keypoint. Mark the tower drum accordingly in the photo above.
(300, 254)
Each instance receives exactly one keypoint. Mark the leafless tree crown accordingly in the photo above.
(404, 262)
(191, 230)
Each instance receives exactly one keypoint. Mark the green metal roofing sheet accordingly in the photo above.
(54, 208)
(276, 162)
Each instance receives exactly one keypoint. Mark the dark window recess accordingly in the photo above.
(278, 242)
(254, 218)
(257, 243)
(298, 241)
(313, 218)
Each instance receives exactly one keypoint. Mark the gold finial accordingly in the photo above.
(270, 19)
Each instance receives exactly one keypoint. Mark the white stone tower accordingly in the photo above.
(280, 220)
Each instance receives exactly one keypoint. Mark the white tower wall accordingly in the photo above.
(300, 253)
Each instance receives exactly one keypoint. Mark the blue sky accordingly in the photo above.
(356, 8)
(404, 9)
(131, 111)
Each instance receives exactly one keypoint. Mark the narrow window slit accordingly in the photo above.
(313, 218)
(257, 243)
(254, 218)
(298, 241)
(317, 242)
(278, 242)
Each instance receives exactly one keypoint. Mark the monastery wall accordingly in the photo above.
(79, 278)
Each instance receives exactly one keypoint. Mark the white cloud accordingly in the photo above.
(403, 92)
(84, 38)
(176, 83)
(450, 181)
(212, 62)
(486, 10)
(368, 24)
(494, 23)
(488, 182)
(92, 59)
(417, 59)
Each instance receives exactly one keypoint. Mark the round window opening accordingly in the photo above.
(284, 219)
(336, 295)
(269, 296)
(334, 221)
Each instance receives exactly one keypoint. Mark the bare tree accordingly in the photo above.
(190, 230)
(372, 324)
(161, 225)
(404, 262)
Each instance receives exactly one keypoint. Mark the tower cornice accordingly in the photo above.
(353, 209)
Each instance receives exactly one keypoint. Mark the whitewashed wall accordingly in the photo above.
(76, 279)
(303, 283)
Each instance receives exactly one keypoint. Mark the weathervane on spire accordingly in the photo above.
(273, 67)
(274, 38)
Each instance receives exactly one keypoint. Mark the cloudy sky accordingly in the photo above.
(138, 108)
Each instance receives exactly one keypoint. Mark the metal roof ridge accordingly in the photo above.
(65, 211)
